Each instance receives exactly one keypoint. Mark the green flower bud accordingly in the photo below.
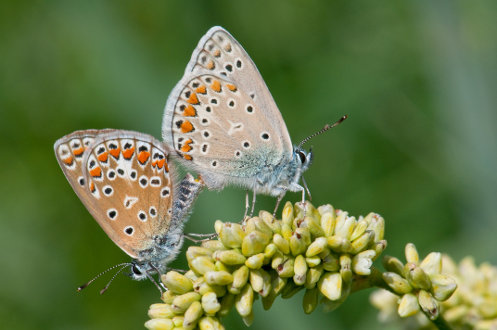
(281, 243)
(176, 282)
(290, 289)
(330, 286)
(299, 241)
(218, 278)
(269, 252)
(443, 287)
(310, 301)
(428, 304)
(256, 261)
(286, 268)
(339, 244)
(287, 215)
(300, 270)
(312, 277)
(331, 263)
(376, 224)
(197, 251)
(397, 283)
(160, 311)
(255, 242)
(168, 296)
(230, 257)
(346, 268)
(178, 321)
(192, 315)
(362, 262)
(231, 234)
(328, 223)
(408, 305)
(359, 229)
(182, 302)
(432, 263)
(313, 261)
(393, 264)
(210, 304)
(244, 301)
(363, 242)
(159, 324)
(345, 226)
(316, 247)
(412, 255)
(417, 277)
(240, 278)
(270, 221)
(202, 265)
(227, 302)
(213, 245)
(209, 323)
(257, 224)
(260, 281)
(249, 319)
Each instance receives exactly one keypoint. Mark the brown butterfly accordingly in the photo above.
(126, 183)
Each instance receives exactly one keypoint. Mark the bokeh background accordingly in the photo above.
(418, 79)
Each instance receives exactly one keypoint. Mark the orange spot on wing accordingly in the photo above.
(92, 187)
(166, 168)
(231, 87)
(143, 156)
(160, 163)
(216, 86)
(187, 147)
(189, 111)
(193, 99)
(154, 163)
(186, 127)
(68, 160)
(96, 172)
(128, 153)
(201, 89)
(217, 53)
(115, 152)
(103, 156)
(79, 151)
(210, 65)
(187, 157)
(228, 47)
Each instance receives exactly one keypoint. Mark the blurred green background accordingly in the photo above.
(418, 79)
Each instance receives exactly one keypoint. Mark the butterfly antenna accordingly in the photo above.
(112, 279)
(124, 264)
(324, 129)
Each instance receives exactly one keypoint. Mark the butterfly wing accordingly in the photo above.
(123, 179)
(221, 117)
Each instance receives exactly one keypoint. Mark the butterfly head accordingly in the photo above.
(139, 270)
(303, 158)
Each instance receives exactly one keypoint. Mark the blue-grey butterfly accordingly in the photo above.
(126, 183)
(223, 122)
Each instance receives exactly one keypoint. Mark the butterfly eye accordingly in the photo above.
(136, 270)
(302, 156)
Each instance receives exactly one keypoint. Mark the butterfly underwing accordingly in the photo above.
(222, 122)
(125, 181)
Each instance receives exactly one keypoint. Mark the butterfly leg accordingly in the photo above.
(246, 205)
(278, 201)
(199, 238)
(155, 282)
(253, 204)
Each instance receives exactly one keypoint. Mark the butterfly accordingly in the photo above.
(222, 122)
(125, 181)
